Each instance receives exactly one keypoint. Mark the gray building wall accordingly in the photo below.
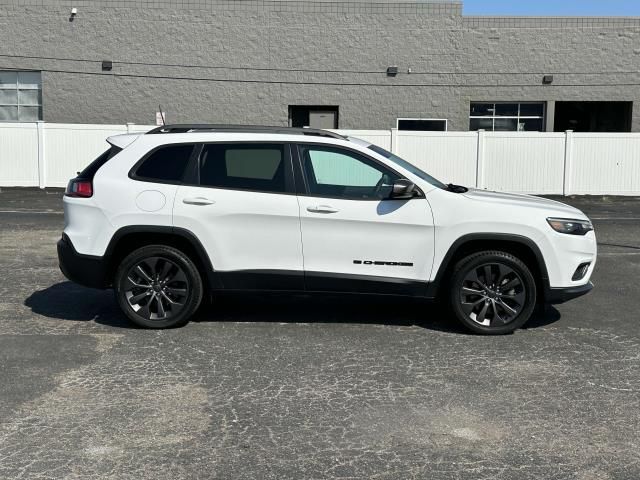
(247, 61)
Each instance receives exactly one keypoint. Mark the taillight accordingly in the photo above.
(79, 187)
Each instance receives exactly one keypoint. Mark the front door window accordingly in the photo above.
(337, 173)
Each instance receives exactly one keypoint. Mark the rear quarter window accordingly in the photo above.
(166, 164)
(90, 172)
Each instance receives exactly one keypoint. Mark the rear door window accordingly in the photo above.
(256, 167)
(166, 164)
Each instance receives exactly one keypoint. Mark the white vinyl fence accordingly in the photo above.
(47, 155)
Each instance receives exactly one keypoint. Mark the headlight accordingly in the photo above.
(570, 226)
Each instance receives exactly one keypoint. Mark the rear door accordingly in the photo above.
(243, 208)
(355, 239)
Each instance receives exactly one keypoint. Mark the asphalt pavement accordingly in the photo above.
(304, 388)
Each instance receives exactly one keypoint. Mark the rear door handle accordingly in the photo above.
(198, 201)
(322, 209)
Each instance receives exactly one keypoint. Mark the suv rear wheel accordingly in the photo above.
(158, 287)
(492, 292)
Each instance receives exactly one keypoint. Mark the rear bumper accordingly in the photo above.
(85, 270)
(556, 296)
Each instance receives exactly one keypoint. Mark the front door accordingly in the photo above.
(244, 212)
(354, 238)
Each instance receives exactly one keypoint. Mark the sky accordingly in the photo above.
(553, 7)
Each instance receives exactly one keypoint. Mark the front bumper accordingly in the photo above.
(556, 296)
(85, 270)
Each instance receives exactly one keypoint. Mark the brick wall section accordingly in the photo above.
(268, 55)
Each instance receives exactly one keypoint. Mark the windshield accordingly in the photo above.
(408, 166)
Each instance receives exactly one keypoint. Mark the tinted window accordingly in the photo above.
(93, 167)
(340, 173)
(258, 167)
(531, 110)
(419, 125)
(166, 164)
(506, 110)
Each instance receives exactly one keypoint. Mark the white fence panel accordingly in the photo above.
(605, 164)
(524, 162)
(71, 147)
(134, 128)
(448, 156)
(18, 155)
(381, 138)
(33, 154)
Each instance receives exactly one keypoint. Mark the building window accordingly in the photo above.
(422, 124)
(593, 116)
(507, 117)
(318, 116)
(20, 96)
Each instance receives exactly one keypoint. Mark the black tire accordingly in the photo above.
(496, 301)
(158, 287)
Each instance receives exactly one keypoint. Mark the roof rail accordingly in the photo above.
(187, 128)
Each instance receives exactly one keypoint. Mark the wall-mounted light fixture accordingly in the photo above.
(107, 65)
(74, 12)
(392, 71)
(547, 79)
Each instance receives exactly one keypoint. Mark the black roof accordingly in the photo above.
(186, 128)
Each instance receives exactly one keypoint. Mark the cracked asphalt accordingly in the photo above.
(302, 388)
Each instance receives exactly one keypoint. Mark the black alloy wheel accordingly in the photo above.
(492, 292)
(158, 287)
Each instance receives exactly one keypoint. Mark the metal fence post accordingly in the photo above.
(480, 159)
(568, 163)
(42, 167)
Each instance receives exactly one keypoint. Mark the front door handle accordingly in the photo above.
(198, 201)
(322, 209)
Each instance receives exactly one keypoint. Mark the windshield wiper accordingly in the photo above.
(456, 188)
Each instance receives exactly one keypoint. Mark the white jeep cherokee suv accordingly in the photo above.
(185, 211)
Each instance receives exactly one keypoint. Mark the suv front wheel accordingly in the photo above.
(492, 292)
(158, 287)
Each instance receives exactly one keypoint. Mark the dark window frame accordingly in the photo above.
(518, 117)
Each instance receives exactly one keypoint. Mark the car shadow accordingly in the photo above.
(68, 301)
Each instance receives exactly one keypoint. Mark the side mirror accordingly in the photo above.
(403, 189)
